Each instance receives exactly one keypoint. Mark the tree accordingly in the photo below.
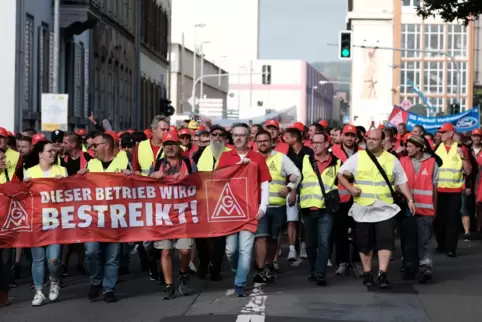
(451, 10)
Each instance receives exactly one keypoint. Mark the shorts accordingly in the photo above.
(181, 243)
(375, 235)
(272, 222)
(292, 213)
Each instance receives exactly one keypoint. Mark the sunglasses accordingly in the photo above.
(218, 134)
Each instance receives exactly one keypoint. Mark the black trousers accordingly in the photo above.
(342, 222)
(210, 251)
(447, 222)
(6, 255)
(407, 228)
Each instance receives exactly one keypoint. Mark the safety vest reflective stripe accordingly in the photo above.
(371, 182)
(274, 163)
(314, 184)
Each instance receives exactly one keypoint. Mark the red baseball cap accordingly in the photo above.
(272, 123)
(38, 137)
(130, 131)
(324, 123)
(148, 133)
(3, 132)
(447, 127)
(477, 132)
(114, 136)
(299, 126)
(80, 132)
(173, 128)
(349, 129)
(184, 131)
(170, 136)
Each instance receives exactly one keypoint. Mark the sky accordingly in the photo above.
(300, 29)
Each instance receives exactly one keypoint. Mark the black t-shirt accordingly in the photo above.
(298, 158)
(106, 164)
(73, 166)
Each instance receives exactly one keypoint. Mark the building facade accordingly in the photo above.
(182, 71)
(382, 78)
(98, 59)
(294, 83)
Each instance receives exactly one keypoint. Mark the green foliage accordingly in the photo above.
(451, 10)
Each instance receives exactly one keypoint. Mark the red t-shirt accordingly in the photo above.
(322, 167)
(282, 147)
(465, 151)
(307, 143)
(232, 157)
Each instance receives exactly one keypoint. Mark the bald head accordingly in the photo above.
(374, 140)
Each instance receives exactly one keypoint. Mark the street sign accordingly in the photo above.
(406, 105)
(346, 119)
(211, 107)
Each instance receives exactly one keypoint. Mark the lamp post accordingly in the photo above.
(312, 109)
(201, 54)
(194, 57)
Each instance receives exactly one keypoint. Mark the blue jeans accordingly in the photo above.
(40, 256)
(239, 248)
(102, 262)
(318, 225)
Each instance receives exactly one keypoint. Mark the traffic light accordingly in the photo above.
(454, 108)
(266, 74)
(344, 52)
(165, 107)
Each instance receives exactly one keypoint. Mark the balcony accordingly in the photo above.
(77, 16)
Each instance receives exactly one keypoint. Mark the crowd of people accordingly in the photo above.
(341, 194)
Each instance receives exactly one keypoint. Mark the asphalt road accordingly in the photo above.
(455, 295)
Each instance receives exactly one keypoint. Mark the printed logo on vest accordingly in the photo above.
(228, 208)
(330, 172)
(17, 218)
(272, 167)
(424, 172)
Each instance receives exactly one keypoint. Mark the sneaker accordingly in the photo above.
(183, 286)
(292, 255)
(425, 276)
(94, 292)
(38, 299)
(451, 254)
(270, 273)
(358, 269)
(192, 268)
(329, 264)
(342, 268)
(467, 237)
(54, 290)
(109, 297)
(303, 254)
(311, 277)
(259, 277)
(320, 280)
(367, 279)
(239, 291)
(153, 275)
(168, 292)
(382, 280)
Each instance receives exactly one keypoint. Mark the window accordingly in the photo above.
(457, 41)
(411, 38)
(438, 103)
(411, 3)
(463, 103)
(414, 99)
(452, 78)
(28, 64)
(410, 74)
(433, 77)
(434, 39)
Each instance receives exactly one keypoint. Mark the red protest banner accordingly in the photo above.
(109, 207)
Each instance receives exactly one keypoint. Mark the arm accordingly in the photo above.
(264, 196)
(466, 163)
(291, 171)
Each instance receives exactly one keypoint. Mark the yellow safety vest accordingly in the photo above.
(3, 177)
(56, 170)
(119, 163)
(11, 159)
(278, 182)
(84, 149)
(146, 157)
(451, 172)
(371, 182)
(310, 192)
(206, 161)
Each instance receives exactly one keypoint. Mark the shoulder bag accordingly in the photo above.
(332, 198)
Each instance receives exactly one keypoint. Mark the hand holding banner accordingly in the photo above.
(107, 207)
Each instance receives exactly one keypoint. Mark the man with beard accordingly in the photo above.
(239, 246)
(281, 168)
(211, 250)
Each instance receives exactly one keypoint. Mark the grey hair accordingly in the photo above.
(242, 125)
(157, 119)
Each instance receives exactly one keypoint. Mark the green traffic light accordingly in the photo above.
(345, 53)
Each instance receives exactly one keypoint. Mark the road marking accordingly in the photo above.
(297, 263)
(255, 310)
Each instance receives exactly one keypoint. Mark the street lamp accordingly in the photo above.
(201, 54)
(312, 109)
(194, 57)
(324, 82)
